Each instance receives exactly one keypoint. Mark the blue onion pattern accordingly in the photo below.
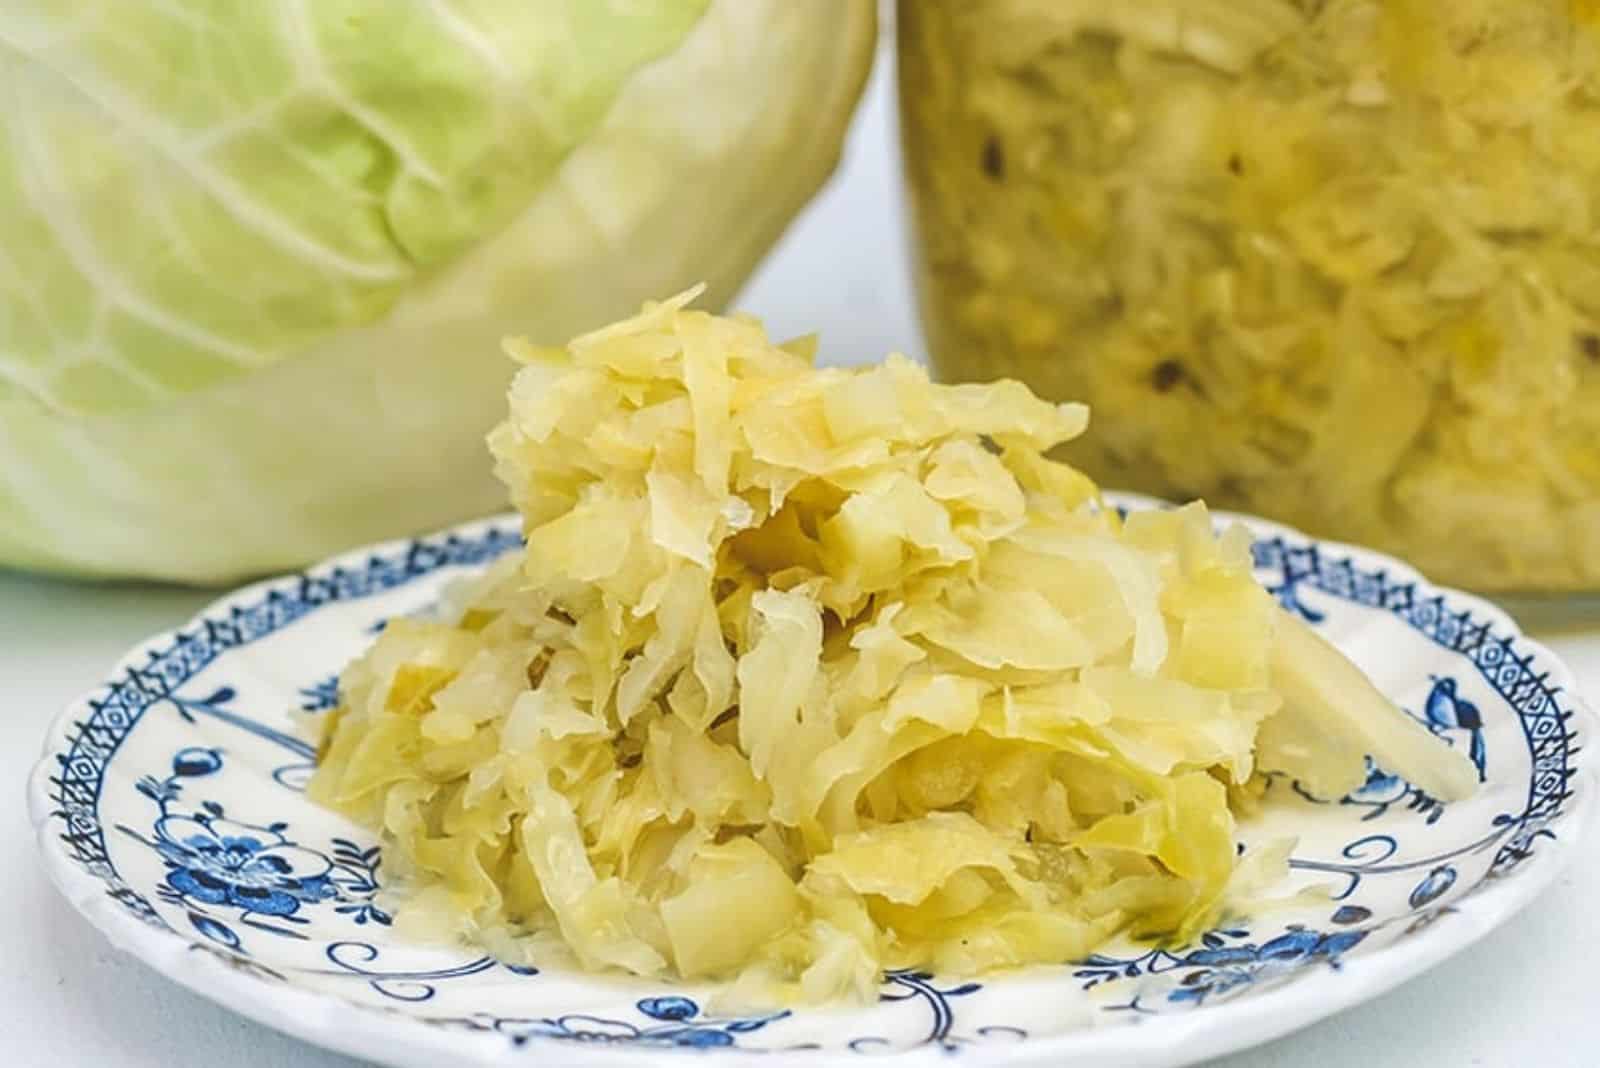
(1436, 885)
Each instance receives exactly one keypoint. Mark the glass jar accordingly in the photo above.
(1332, 261)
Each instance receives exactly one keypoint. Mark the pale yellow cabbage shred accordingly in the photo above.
(805, 674)
(1332, 261)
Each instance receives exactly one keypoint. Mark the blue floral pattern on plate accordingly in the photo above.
(250, 871)
(193, 758)
(669, 1020)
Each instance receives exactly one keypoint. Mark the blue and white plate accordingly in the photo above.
(169, 808)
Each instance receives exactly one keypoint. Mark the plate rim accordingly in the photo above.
(395, 1038)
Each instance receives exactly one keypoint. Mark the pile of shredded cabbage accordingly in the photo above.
(1336, 262)
(805, 674)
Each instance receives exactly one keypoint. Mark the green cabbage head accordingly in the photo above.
(256, 259)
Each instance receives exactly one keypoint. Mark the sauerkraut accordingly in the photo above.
(1336, 261)
(805, 674)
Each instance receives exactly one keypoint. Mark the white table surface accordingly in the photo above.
(1525, 995)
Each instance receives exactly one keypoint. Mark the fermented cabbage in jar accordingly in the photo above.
(1335, 261)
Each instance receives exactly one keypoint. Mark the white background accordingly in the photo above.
(1525, 995)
